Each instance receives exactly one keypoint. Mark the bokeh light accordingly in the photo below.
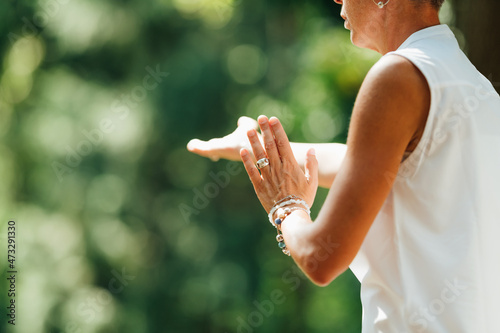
(246, 64)
(120, 228)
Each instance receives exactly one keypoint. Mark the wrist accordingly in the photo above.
(283, 209)
(288, 210)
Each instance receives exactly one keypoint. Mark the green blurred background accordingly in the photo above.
(119, 228)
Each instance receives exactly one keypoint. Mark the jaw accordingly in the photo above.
(361, 40)
(364, 38)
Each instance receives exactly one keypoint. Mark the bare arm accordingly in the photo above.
(391, 107)
(330, 155)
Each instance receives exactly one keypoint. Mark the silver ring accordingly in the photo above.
(263, 162)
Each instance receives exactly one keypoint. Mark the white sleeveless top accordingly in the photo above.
(431, 260)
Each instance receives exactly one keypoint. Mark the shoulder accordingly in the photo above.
(394, 96)
(392, 106)
(399, 74)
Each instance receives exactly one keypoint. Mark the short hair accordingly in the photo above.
(435, 3)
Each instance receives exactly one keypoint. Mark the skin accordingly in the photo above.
(388, 120)
(329, 155)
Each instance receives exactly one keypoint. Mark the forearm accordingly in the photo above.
(329, 155)
(311, 251)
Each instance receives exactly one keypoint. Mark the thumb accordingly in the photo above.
(311, 167)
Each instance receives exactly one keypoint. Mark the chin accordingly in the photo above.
(356, 40)
(361, 42)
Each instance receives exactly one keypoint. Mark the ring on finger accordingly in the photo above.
(263, 162)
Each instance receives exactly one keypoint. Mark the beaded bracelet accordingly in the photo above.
(296, 201)
(277, 205)
(282, 214)
(282, 211)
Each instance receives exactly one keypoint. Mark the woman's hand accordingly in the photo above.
(227, 147)
(283, 176)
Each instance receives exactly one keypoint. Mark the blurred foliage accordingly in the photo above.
(120, 229)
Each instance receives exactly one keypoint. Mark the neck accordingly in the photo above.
(392, 38)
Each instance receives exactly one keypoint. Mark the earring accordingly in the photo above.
(381, 4)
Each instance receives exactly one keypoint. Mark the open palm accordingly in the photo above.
(227, 147)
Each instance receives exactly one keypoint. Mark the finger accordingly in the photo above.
(247, 122)
(194, 145)
(208, 149)
(252, 171)
(311, 168)
(269, 143)
(200, 147)
(281, 139)
(258, 150)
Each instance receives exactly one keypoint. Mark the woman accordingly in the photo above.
(413, 205)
